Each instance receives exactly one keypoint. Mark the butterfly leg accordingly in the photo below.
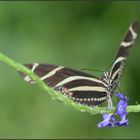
(109, 100)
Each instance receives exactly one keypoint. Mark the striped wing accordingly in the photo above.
(79, 86)
(121, 57)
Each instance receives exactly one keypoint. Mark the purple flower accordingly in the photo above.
(109, 120)
(121, 109)
(121, 96)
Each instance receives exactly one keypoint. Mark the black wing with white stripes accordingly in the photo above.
(79, 86)
(126, 44)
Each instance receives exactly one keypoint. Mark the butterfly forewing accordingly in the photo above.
(79, 86)
(118, 65)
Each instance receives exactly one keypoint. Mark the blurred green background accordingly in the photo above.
(72, 34)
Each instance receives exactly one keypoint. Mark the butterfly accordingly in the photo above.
(82, 87)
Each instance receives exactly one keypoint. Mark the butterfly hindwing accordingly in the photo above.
(79, 86)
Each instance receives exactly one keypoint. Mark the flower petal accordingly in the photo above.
(121, 109)
(107, 121)
(122, 123)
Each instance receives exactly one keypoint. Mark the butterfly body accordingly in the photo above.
(82, 87)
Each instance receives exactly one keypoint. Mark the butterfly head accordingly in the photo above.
(105, 77)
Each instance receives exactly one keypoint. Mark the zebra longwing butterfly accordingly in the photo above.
(82, 87)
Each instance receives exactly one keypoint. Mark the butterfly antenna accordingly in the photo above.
(109, 66)
(93, 70)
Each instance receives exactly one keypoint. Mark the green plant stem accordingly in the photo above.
(57, 95)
